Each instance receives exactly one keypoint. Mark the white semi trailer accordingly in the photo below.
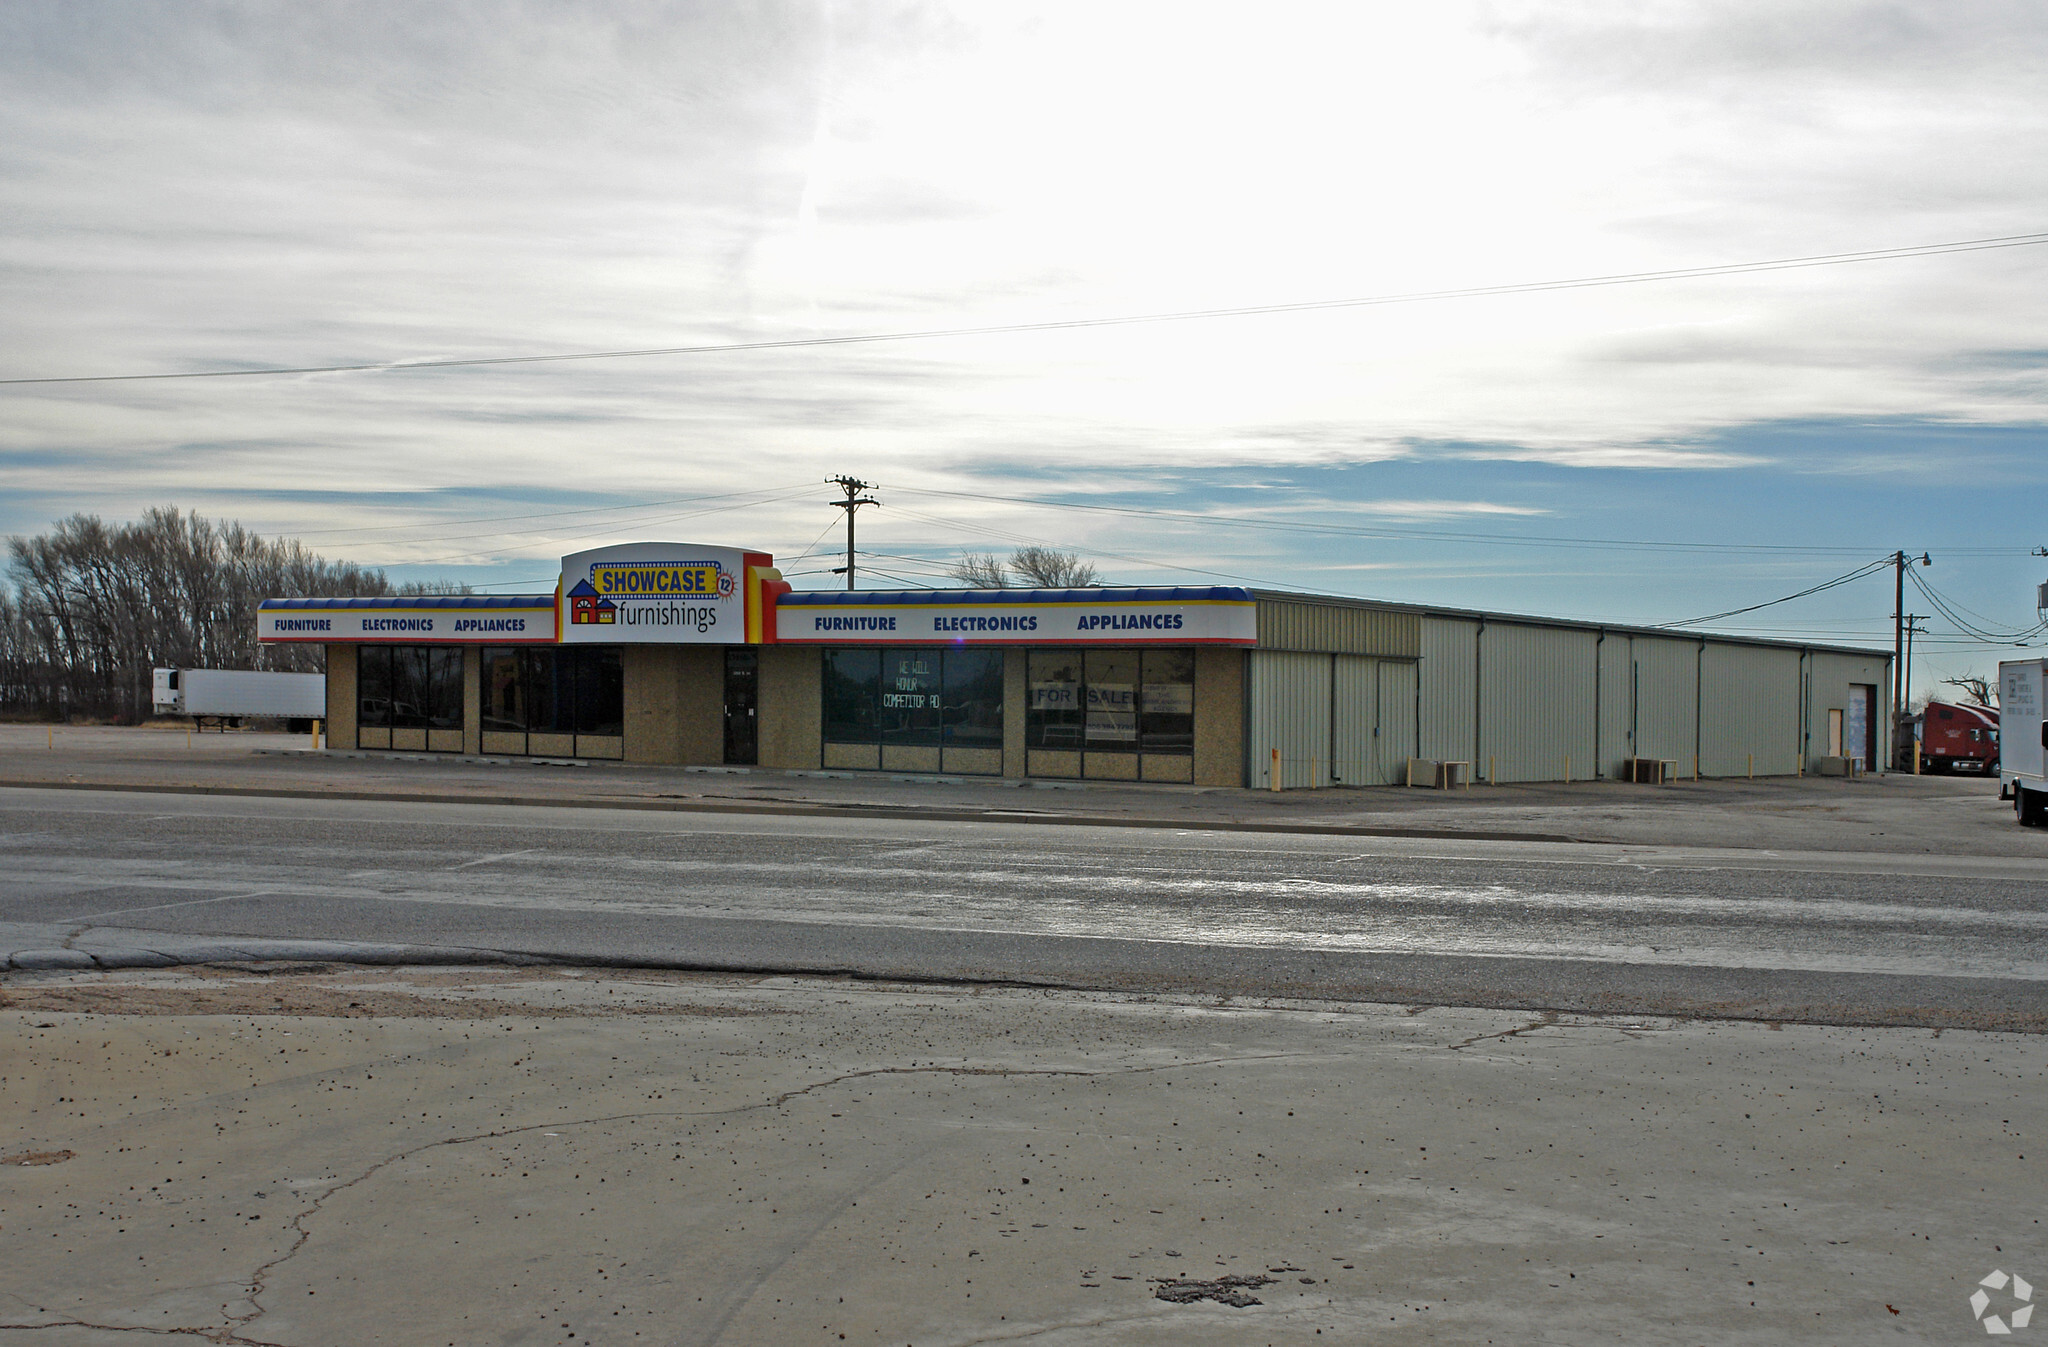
(2023, 739)
(230, 696)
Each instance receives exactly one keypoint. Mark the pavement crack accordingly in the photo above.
(1040, 1330)
(215, 1334)
(258, 1280)
(1543, 1021)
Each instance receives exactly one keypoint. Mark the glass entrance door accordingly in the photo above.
(742, 701)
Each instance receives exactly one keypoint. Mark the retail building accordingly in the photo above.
(686, 654)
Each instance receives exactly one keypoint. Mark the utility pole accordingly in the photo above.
(1899, 563)
(1913, 628)
(853, 487)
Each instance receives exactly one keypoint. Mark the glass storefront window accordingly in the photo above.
(850, 679)
(600, 689)
(373, 686)
(1166, 702)
(563, 690)
(914, 697)
(505, 700)
(441, 699)
(910, 696)
(1053, 712)
(409, 686)
(1111, 695)
(972, 707)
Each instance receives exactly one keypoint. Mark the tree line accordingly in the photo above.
(92, 608)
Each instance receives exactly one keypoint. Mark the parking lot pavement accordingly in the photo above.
(351, 1156)
(1894, 813)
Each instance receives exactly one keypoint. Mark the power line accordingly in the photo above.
(1947, 608)
(1857, 574)
(1072, 324)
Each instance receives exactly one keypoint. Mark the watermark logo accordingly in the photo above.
(2017, 1316)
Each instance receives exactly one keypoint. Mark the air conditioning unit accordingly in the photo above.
(2041, 599)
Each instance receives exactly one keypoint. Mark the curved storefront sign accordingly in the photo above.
(660, 594)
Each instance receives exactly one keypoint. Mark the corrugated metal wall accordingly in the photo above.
(1536, 709)
(1617, 705)
(1538, 700)
(1354, 720)
(1338, 628)
(1290, 711)
(1664, 698)
(1449, 687)
(1396, 743)
(1338, 720)
(1828, 676)
(1749, 705)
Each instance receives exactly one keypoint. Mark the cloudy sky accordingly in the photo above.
(192, 187)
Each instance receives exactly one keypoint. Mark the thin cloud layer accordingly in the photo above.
(188, 187)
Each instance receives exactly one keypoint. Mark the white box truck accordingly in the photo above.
(229, 696)
(2023, 739)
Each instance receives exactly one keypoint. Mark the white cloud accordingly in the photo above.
(188, 188)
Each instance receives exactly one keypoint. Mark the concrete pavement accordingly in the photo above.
(1894, 814)
(514, 1156)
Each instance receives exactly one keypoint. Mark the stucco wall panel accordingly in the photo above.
(341, 696)
(1219, 716)
(792, 709)
(675, 704)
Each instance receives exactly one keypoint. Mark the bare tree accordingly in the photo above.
(95, 607)
(979, 570)
(1980, 691)
(1050, 568)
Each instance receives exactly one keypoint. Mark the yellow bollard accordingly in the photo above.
(1916, 757)
(316, 735)
(50, 741)
(1490, 779)
(1567, 769)
(1275, 775)
(1695, 767)
(1752, 767)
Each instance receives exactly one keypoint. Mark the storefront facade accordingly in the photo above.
(681, 654)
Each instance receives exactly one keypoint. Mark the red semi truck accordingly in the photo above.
(1958, 738)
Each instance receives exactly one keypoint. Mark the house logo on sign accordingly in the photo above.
(2017, 1315)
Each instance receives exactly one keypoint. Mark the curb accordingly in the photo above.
(770, 807)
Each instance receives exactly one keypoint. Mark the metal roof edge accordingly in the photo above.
(1093, 594)
(411, 601)
(1534, 620)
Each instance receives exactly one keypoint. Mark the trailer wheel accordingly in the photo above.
(2032, 807)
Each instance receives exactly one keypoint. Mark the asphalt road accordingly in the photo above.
(1833, 937)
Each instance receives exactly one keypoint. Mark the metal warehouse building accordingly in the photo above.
(686, 654)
